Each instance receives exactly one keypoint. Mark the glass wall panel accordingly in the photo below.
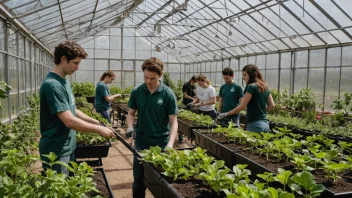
(317, 58)
(301, 59)
(316, 83)
(285, 79)
(272, 61)
(334, 56)
(286, 60)
(346, 74)
(332, 87)
(300, 80)
(272, 78)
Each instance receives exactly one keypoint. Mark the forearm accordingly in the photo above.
(236, 110)
(86, 118)
(112, 98)
(130, 120)
(83, 126)
(173, 134)
(269, 108)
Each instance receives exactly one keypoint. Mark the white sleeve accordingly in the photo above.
(212, 93)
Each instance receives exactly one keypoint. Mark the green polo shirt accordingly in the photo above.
(56, 96)
(153, 114)
(256, 108)
(230, 94)
(100, 92)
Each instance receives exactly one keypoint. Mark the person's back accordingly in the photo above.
(256, 108)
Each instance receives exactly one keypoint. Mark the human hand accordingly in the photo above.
(222, 115)
(197, 105)
(129, 132)
(107, 132)
(190, 105)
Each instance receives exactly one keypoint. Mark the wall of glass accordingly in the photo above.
(123, 51)
(326, 71)
(23, 66)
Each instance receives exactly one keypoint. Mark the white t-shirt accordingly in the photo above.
(204, 95)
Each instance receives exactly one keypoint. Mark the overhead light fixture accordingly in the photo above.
(157, 48)
(230, 33)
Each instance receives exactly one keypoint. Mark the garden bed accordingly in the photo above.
(185, 127)
(102, 184)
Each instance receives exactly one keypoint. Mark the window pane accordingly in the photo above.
(332, 87)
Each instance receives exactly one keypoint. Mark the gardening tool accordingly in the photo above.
(129, 147)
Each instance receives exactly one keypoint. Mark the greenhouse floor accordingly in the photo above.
(118, 168)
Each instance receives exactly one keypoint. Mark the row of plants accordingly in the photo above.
(328, 125)
(182, 166)
(324, 157)
(197, 119)
(19, 152)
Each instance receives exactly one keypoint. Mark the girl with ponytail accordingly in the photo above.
(102, 94)
(257, 99)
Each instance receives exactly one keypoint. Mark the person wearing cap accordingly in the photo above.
(157, 121)
(102, 95)
(229, 97)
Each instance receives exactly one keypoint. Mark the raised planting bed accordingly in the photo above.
(92, 151)
(259, 164)
(162, 187)
(217, 149)
(102, 184)
(185, 127)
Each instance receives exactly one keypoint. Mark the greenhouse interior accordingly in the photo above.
(176, 98)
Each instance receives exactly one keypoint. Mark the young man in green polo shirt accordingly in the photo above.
(229, 97)
(157, 122)
(59, 118)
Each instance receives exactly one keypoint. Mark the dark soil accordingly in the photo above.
(343, 184)
(98, 178)
(234, 147)
(272, 165)
(217, 137)
(193, 188)
(101, 144)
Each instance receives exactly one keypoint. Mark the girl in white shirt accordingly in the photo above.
(205, 97)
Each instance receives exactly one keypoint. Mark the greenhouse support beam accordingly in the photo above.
(304, 24)
(287, 50)
(62, 19)
(325, 73)
(21, 27)
(156, 11)
(330, 18)
(37, 10)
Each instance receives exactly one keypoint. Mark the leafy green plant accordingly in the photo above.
(83, 89)
(305, 185)
(217, 176)
(4, 88)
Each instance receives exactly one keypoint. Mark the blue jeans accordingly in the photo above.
(104, 113)
(235, 119)
(258, 126)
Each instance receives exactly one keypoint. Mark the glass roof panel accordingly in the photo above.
(341, 36)
(335, 12)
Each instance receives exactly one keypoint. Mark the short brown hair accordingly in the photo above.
(153, 64)
(70, 49)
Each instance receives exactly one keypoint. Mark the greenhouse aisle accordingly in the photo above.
(118, 169)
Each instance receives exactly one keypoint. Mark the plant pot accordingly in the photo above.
(92, 151)
(90, 99)
(105, 189)
(168, 190)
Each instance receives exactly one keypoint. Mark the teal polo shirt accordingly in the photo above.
(256, 107)
(230, 94)
(101, 91)
(153, 114)
(56, 96)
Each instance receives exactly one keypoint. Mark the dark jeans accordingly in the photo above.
(104, 113)
(258, 126)
(212, 114)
